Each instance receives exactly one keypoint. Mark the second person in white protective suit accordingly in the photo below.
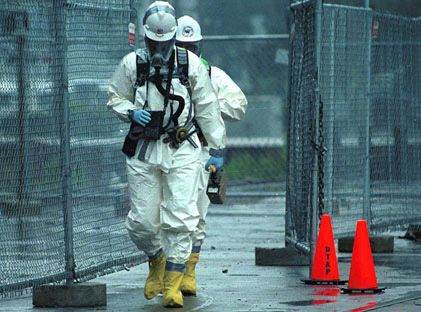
(152, 89)
(233, 104)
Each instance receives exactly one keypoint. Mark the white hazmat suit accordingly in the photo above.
(163, 187)
(233, 104)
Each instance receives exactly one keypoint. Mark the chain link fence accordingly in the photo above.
(369, 79)
(253, 49)
(63, 192)
(300, 129)
(63, 186)
(256, 145)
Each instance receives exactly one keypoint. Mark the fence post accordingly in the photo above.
(22, 192)
(314, 207)
(330, 114)
(22, 118)
(61, 41)
(367, 199)
(367, 4)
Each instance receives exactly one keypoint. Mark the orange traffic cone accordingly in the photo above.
(325, 264)
(362, 276)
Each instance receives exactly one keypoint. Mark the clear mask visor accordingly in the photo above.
(159, 51)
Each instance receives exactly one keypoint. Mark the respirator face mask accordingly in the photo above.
(159, 52)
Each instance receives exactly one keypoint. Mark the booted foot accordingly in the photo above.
(155, 281)
(173, 300)
(188, 285)
(173, 297)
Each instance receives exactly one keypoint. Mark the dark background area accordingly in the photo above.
(402, 7)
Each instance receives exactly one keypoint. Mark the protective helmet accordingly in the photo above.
(189, 34)
(159, 22)
(160, 26)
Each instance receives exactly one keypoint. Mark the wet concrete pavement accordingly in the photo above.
(229, 280)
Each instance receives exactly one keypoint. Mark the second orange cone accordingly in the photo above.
(325, 264)
(362, 275)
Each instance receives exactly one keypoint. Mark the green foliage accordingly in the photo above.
(252, 164)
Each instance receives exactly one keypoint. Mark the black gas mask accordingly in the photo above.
(159, 52)
(195, 47)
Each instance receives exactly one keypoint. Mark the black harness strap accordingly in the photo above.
(167, 94)
(142, 71)
(183, 64)
(136, 131)
(142, 152)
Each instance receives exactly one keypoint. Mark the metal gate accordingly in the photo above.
(354, 120)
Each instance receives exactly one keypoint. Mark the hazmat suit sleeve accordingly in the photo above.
(206, 108)
(232, 101)
(121, 90)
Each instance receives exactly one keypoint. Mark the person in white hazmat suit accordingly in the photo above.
(163, 162)
(233, 104)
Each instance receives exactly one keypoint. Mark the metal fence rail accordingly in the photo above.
(369, 78)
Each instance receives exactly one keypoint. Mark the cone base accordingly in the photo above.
(320, 282)
(363, 290)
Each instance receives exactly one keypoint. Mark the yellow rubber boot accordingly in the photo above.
(188, 285)
(173, 298)
(155, 281)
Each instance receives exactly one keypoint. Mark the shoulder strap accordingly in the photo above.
(142, 69)
(183, 63)
(183, 68)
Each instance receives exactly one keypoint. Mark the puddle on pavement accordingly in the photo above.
(302, 303)
(369, 305)
(318, 291)
(332, 293)
(327, 292)
(308, 302)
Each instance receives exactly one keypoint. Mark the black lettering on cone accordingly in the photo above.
(327, 266)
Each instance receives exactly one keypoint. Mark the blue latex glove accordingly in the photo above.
(218, 162)
(216, 159)
(141, 117)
